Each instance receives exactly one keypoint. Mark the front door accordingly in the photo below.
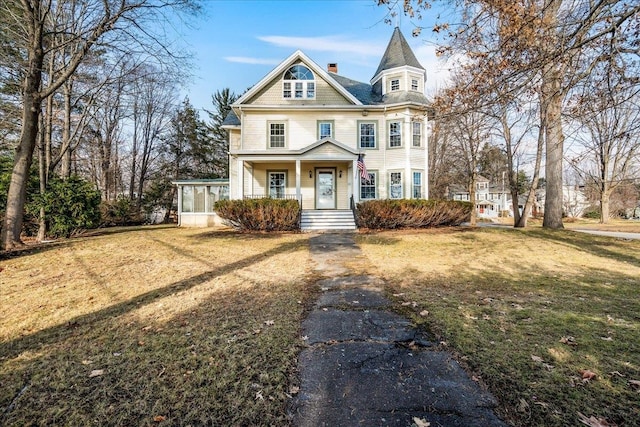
(325, 189)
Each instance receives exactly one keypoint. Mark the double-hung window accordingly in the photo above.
(416, 128)
(395, 185)
(395, 85)
(277, 135)
(325, 129)
(367, 135)
(414, 84)
(417, 185)
(298, 82)
(368, 186)
(277, 184)
(395, 134)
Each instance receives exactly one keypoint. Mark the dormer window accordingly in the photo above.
(395, 84)
(414, 84)
(298, 83)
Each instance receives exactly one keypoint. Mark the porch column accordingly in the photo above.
(179, 205)
(298, 192)
(240, 179)
(355, 188)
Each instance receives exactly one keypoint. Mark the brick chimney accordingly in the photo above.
(332, 67)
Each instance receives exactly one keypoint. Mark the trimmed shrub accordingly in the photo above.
(415, 213)
(70, 206)
(260, 214)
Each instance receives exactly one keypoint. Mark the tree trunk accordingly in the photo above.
(17, 194)
(604, 206)
(66, 133)
(42, 172)
(31, 104)
(554, 143)
(473, 221)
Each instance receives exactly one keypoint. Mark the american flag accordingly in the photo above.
(362, 168)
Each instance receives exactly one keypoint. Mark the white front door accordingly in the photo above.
(325, 189)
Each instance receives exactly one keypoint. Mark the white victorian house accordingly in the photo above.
(300, 131)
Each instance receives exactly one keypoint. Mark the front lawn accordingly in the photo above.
(548, 320)
(152, 326)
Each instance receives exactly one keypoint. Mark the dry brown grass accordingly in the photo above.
(183, 326)
(527, 310)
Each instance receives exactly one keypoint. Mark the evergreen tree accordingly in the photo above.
(222, 101)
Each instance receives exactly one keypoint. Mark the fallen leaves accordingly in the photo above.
(159, 418)
(568, 340)
(96, 373)
(587, 375)
(421, 422)
(594, 422)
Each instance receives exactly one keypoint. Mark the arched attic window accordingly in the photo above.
(298, 83)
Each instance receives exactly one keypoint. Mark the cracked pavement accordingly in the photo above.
(367, 366)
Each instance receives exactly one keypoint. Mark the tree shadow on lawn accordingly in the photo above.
(48, 336)
(61, 243)
(594, 245)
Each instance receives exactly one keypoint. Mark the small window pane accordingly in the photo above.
(417, 134)
(417, 185)
(395, 185)
(187, 198)
(414, 84)
(368, 187)
(395, 85)
(311, 90)
(198, 199)
(286, 90)
(395, 134)
(367, 135)
(224, 192)
(325, 130)
(299, 91)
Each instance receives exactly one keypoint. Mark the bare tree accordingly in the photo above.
(28, 25)
(543, 44)
(610, 137)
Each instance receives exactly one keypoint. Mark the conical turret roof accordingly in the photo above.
(398, 54)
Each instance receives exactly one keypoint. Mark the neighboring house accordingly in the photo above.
(298, 133)
(574, 201)
(491, 201)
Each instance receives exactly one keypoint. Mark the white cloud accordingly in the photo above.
(326, 44)
(250, 60)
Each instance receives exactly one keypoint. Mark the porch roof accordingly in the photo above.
(323, 149)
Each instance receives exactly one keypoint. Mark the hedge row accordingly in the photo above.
(391, 214)
(260, 214)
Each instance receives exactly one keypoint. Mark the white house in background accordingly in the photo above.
(491, 201)
(574, 201)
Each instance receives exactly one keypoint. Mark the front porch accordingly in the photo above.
(320, 177)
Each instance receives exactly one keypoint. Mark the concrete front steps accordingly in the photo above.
(327, 220)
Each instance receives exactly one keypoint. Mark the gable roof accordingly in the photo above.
(398, 54)
(280, 69)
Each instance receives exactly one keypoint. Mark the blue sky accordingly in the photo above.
(237, 43)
